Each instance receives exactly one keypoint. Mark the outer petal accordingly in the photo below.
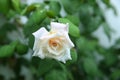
(36, 44)
(70, 43)
(39, 53)
(37, 49)
(42, 31)
(66, 56)
(59, 26)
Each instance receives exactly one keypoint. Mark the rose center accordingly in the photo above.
(54, 44)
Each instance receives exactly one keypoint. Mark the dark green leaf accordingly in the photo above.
(117, 43)
(55, 7)
(90, 66)
(56, 75)
(50, 14)
(73, 56)
(31, 41)
(110, 58)
(71, 6)
(45, 66)
(115, 75)
(21, 48)
(86, 45)
(34, 22)
(4, 6)
(107, 30)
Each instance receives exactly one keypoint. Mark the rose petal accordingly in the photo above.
(39, 54)
(59, 26)
(42, 31)
(66, 56)
(35, 46)
(56, 53)
(39, 33)
(70, 43)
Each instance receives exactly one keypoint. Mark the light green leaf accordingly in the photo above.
(16, 5)
(74, 19)
(73, 29)
(8, 50)
(32, 7)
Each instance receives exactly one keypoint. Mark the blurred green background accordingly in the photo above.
(90, 61)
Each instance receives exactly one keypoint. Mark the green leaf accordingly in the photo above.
(4, 29)
(117, 43)
(11, 14)
(85, 45)
(71, 6)
(55, 7)
(16, 5)
(107, 30)
(21, 49)
(51, 14)
(73, 29)
(90, 66)
(73, 56)
(56, 75)
(31, 41)
(45, 65)
(110, 58)
(32, 7)
(7, 50)
(90, 18)
(34, 22)
(4, 6)
(115, 75)
(74, 19)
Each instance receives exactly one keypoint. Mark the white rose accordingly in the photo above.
(54, 44)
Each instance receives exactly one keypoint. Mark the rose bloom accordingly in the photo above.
(54, 44)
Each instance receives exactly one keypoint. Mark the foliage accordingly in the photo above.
(83, 16)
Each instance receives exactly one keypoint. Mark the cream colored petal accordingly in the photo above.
(48, 36)
(35, 46)
(55, 52)
(41, 32)
(70, 43)
(59, 26)
(64, 57)
(39, 53)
